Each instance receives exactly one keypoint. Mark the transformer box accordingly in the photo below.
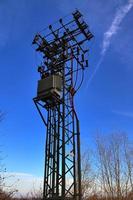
(49, 87)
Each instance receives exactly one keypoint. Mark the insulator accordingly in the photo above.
(36, 38)
(82, 66)
(77, 14)
(44, 43)
(46, 63)
(89, 35)
(34, 42)
(78, 51)
(50, 27)
(82, 58)
(83, 26)
(40, 69)
(60, 21)
(87, 65)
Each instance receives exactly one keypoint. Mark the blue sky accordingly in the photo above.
(105, 101)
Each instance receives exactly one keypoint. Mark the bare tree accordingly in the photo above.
(1, 164)
(88, 175)
(2, 170)
(115, 166)
(4, 194)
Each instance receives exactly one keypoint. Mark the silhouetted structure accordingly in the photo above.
(64, 52)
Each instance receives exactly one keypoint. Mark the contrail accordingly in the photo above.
(113, 29)
(123, 113)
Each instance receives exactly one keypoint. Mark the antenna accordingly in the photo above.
(64, 50)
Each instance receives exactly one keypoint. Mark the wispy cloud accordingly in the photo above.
(113, 29)
(123, 113)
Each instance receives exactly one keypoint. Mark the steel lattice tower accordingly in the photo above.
(64, 55)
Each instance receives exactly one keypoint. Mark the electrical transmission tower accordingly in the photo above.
(64, 59)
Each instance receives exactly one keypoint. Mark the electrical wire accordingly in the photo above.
(55, 22)
(80, 82)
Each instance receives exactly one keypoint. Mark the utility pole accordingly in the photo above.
(64, 59)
